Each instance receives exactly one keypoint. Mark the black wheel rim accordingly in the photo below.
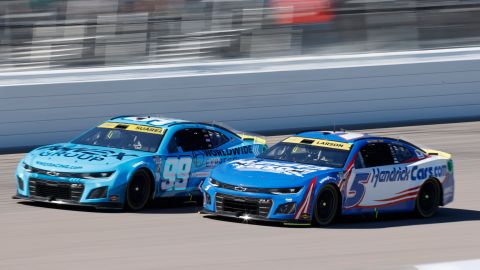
(428, 198)
(137, 191)
(326, 206)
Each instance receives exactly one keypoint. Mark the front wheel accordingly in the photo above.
(428, 199)
(138, 191)
(326, 206)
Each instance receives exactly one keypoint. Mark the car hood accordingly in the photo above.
(68, 157)
(260, 173)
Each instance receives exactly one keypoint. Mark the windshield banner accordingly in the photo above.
(319, 143)
(131, 127)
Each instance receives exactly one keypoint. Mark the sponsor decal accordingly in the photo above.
(328, 178)
(375, 176)
(146, 129)
(212, 158)
(419, 154)
(397, 174)
(82, 153)
(200, 174)
(319, 143)
(242, 150)
(276, 167)
(424, 173)
(62, 166)
(405, 174)
(158, 167)
(450, 166)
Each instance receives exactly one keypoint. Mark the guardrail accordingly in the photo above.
(259, 96)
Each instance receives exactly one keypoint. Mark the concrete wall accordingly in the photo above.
(50, 107)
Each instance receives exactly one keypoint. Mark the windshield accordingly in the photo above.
(307, 154)
(121, 138)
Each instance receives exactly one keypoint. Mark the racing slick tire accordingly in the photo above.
(327, 206)
(428, 199)
(138, 191)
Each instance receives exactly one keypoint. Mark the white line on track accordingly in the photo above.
(455, 265)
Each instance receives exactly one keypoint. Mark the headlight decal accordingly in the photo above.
(27, 167)
(97, 175)
(93, 175)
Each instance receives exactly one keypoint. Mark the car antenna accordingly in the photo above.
(333, 126)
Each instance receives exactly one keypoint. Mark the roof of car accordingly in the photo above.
(339, 136)
(146, 121)
(347, 137)
(162, 122)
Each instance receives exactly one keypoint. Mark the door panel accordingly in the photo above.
(379, 186)
(377, 181)
(176, 173)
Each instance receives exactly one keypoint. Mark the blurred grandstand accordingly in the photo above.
(39, 34)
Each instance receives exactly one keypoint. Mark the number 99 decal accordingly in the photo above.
(176, 173)
(357, 190)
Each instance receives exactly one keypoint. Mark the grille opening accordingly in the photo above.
(98, 193)
(242, 205)
(20, 183)
(53, 190)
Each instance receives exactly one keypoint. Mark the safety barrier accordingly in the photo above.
(260, 96)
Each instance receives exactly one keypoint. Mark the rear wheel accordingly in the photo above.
(138, 191)
(326, 206)
(428, 199)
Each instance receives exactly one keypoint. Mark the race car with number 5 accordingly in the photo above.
(315, 176)
(126, 161)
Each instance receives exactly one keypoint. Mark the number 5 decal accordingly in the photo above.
(357, 190)
(176, 173)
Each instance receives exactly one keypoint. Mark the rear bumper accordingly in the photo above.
(100, 205)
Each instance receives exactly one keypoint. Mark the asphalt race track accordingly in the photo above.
(170, 235)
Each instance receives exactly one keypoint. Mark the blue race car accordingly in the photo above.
(126, 161)
(315, 176)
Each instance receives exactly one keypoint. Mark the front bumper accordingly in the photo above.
(256, 218)
(99, 193)
(100, 205)
(250, 205)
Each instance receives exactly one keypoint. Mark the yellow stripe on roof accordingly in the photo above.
(319, 143)
(132, 127)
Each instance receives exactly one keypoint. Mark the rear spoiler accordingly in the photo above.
(437, 153)
(255, 139)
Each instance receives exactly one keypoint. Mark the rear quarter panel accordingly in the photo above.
(394, 188)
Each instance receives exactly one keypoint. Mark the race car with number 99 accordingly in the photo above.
(126, 161)
(315, 176)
